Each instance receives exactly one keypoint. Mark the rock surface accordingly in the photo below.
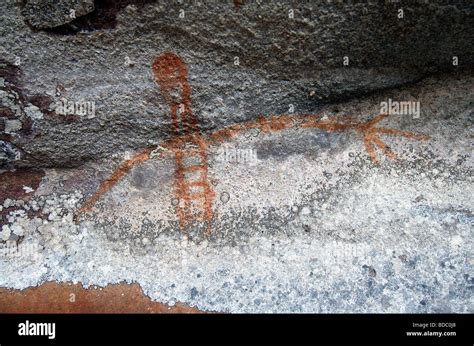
(283, 191)
(243, 60)
(42, 14)
(308, 224)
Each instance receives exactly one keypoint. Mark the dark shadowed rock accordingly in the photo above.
(243, 61)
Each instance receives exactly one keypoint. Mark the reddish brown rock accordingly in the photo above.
(54, 297)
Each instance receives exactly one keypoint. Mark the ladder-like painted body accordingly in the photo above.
(194, 193)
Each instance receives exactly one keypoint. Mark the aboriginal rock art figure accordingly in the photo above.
(194, 194)
(189, 145)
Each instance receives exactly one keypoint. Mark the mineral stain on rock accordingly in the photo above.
(73, 298)
(13, 182)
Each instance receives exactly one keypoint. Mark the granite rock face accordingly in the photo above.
(42, 14)
(309, 223)
(243, 60)
(286, 190)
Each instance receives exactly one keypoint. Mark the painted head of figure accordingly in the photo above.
(171, 75)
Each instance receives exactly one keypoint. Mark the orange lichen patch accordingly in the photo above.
(54, 297)
(105, 186)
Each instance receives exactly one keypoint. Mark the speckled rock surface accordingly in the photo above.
(289, 55)
(306, 223)
(42, 14)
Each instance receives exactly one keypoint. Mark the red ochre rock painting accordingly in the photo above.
(188, 143)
